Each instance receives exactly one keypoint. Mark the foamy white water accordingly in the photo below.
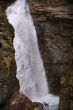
(30, 70)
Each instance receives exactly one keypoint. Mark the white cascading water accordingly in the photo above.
(30, 70)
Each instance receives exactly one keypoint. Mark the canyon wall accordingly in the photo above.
(54, 25)
(8, 81)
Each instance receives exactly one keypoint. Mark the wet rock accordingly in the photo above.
(37, 106)
(20, 102)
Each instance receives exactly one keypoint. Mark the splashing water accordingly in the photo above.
(30, 70)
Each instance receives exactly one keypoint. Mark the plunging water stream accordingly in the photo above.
(30, 70)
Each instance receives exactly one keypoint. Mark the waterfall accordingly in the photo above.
(30, 70)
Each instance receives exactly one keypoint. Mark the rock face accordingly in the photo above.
(20, 102)
(38, 106)
(54, 25)
(8, 81)
(66, 94)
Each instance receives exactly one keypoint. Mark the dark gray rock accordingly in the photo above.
(3, 91)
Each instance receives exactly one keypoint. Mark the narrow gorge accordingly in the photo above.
(36, 54)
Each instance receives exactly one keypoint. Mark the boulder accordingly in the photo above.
(38, 106)
(20, 102)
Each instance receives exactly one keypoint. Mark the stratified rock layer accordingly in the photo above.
(54, 25)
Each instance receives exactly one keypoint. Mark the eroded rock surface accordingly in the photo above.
(20, 102)
(54, 25)
(8, 81)
(66, 95)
